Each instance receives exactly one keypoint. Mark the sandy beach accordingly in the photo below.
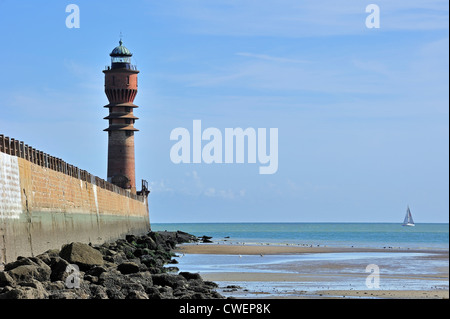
(295, 279)
(235, 249)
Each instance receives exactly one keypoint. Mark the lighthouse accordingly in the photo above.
(121, 89)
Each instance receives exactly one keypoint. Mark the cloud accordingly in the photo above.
(225, 194)
(160, 186)
(86, 76)
(270, 58)
(193, 185)
(294, 18)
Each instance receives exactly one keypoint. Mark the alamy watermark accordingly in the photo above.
(373, 280)
(73, 279)
(221, 148)
(73, 19)
(373, 19)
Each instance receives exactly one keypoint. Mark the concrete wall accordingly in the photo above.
(41, 208)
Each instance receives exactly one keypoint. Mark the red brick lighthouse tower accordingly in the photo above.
(121, 89)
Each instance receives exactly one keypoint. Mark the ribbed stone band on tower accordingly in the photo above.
(121, 89)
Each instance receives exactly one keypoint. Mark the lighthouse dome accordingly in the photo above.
(121, 50)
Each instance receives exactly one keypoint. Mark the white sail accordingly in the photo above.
(408, 221)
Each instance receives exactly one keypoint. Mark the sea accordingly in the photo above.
(414, 269)
(373, 235)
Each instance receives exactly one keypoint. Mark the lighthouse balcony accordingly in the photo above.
(121, 116)
(120, 65)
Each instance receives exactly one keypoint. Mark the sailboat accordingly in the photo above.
(408, 219)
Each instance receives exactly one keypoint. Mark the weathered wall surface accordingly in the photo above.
(41, 208)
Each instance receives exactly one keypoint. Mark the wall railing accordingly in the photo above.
(18, 148)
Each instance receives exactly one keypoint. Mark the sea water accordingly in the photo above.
(312, 275)
(374, 235)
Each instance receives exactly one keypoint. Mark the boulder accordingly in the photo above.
(143, 278)
(30, 290)
(136, 294)
(173, 281)
(25, 273)
(98, 292)
(190, 275)
(65, 294)
(6, 280)
(96, 271)
(128, 268)
(82, 255)
(111, 279)
(21, 261)
(58, 266)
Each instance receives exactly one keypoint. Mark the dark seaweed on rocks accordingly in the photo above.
(129, 268)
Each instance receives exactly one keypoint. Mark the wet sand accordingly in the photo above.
(324, 271)
(232, 249)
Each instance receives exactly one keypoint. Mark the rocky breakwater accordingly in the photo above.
(130, 268)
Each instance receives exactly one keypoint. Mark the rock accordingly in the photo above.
(199, 295)
(190, 275)
(118, 285)
(211, 284)
(98, 292)
(19, 293)
(114, 293)
(96, 271)
(130, 238)
(172, 269)
(128, 268)
(165, 292)
(58, 266)
(40, 292)
(26, 273)
(136, 295)
(139, 252)
(118, 258)
(91, 279)
(143, 278)
(21, 261)
(206, 239)
(111, 279)
(6, 280)
(131, 286)
(31, 290)
(148, 260)
(183, 237)
(47, 256)
(81, 254)
(147, 242)
(64, 295)
(173, 281)
(153, 293)
(52, 286)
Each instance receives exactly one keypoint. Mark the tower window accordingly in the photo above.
(113, 80)
(128, 80)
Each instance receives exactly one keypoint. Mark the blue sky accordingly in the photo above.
(362, 113)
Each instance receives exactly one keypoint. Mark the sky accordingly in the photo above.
(362, 113)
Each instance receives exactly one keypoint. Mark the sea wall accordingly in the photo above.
(45, 203)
